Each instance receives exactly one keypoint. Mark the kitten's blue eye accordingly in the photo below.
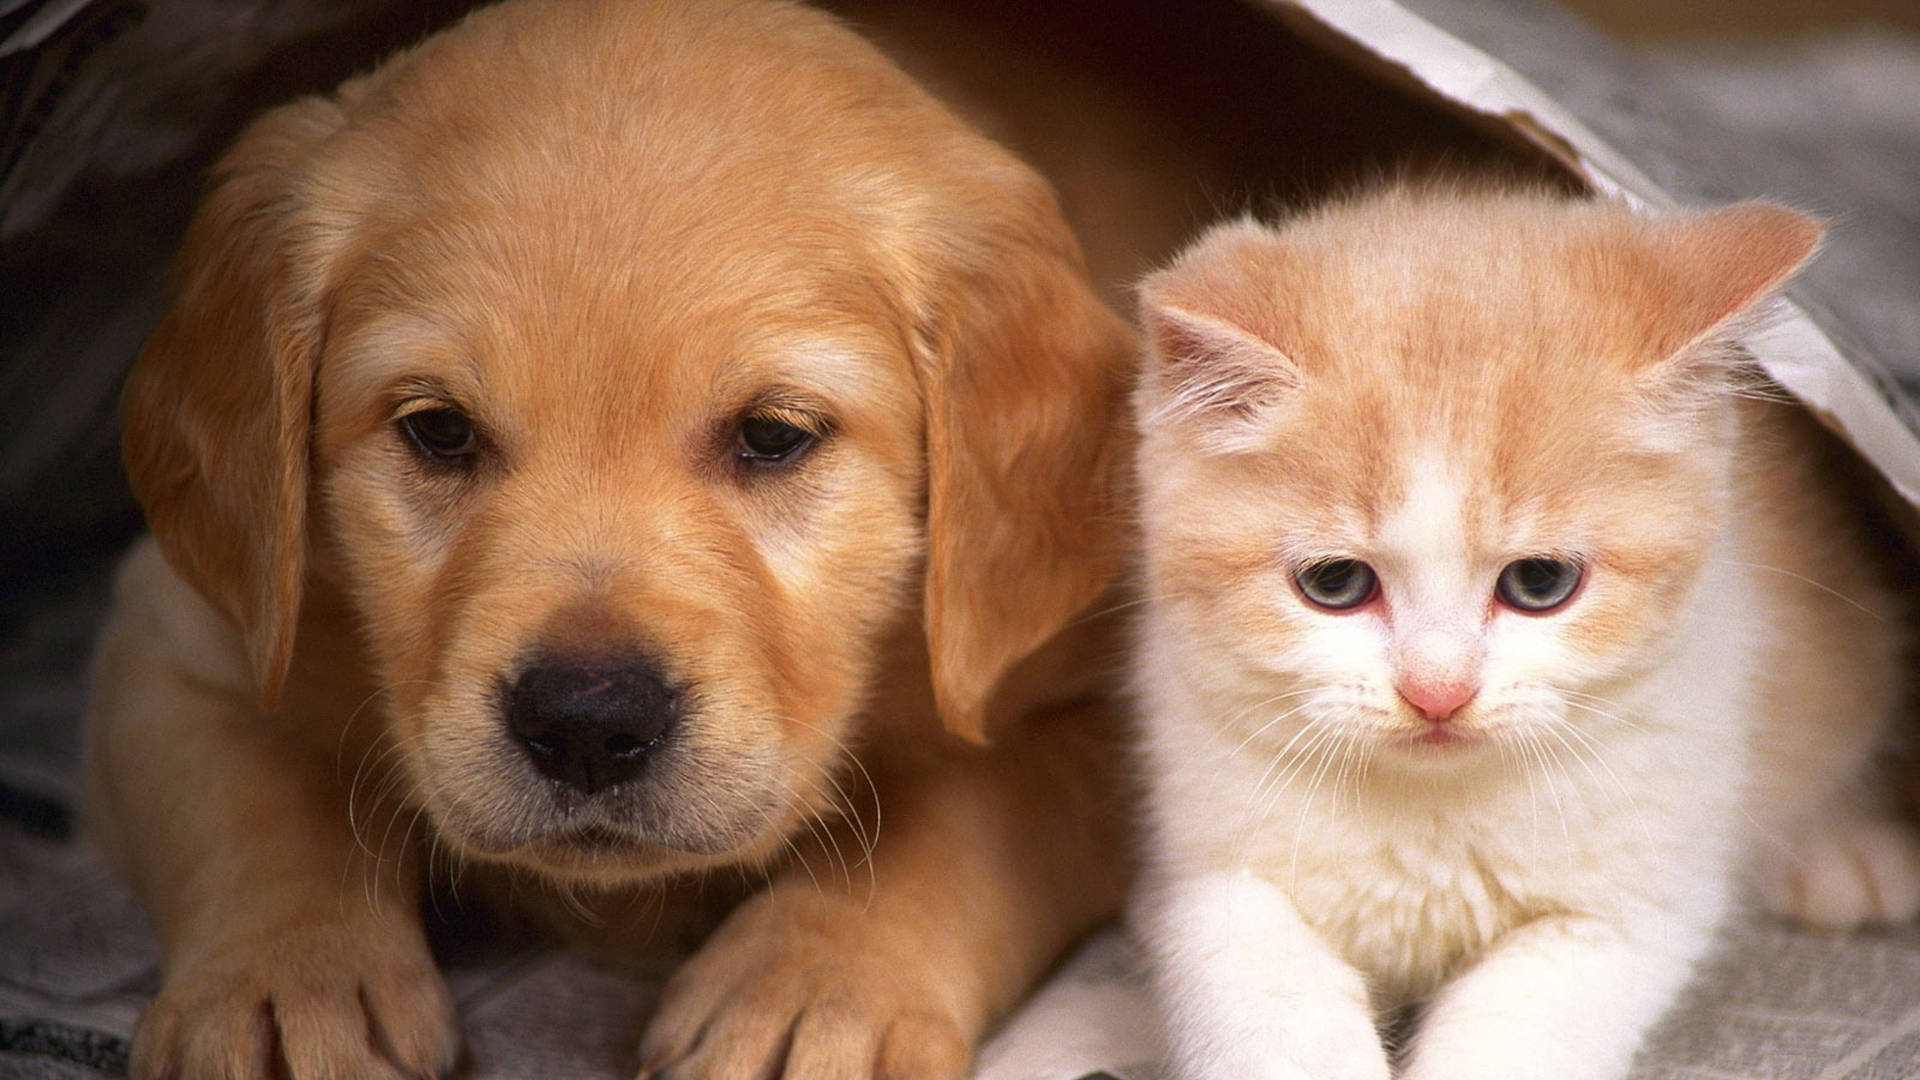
(1337, 584)
(1539, 584)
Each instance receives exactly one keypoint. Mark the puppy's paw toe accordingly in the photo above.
(1864, 871)
(299, 1009)
(923, 1046)
(799, 1028)
(802, 998)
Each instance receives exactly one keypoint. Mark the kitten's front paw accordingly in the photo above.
(321, 1002)
(1852, 872)
(1246, 990)
(1306, 1043)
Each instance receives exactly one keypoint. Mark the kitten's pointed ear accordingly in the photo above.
(1212, 358)
(1724, 264)
(1205, 367)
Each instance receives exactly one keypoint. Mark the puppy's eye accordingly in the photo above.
(444, 435)
(1337, 584)
(1538, 585)
(769, 439)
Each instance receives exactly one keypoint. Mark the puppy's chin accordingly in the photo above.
(603, 856)
(607, 853)
(680, 815)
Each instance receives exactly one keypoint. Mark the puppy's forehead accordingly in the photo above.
(618, 343)
(695, 202)
(680, 131)
(561, 290)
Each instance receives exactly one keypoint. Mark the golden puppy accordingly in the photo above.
(594, 455)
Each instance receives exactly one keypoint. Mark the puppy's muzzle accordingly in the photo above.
(591, 724)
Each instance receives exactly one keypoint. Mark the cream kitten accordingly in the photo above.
(1490, 636)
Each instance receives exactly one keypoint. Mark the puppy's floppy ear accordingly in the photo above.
(1026, 451)
(217, 408)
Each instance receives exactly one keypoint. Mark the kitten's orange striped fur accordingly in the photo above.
(1530, 820)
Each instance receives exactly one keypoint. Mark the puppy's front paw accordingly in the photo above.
(326, 1003)
(1852, 871)
(799, 986)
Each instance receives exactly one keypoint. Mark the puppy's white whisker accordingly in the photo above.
(867, 834)
(817, 828)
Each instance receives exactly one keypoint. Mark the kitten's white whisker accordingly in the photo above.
(1579, 700)
(1539, 751)
(1507, 764)
(1370, 747)
(1271, 786)
(1319, 735)
(1585, 792)
(1268, 726)
(1256, 796)
(1558, 729)
(1268, 792)
(1285, 750)
(1306, 807)
(1595, 752)
(1347, 749)
(1804, 579)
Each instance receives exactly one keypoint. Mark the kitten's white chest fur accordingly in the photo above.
(1409, 910)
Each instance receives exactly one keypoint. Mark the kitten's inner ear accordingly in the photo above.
(1725, 263)
(1209, 370)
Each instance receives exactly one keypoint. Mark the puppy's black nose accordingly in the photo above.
(590, 725)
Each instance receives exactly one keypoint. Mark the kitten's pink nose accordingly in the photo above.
(1438, 700)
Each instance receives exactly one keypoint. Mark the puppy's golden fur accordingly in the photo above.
(611, 239)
